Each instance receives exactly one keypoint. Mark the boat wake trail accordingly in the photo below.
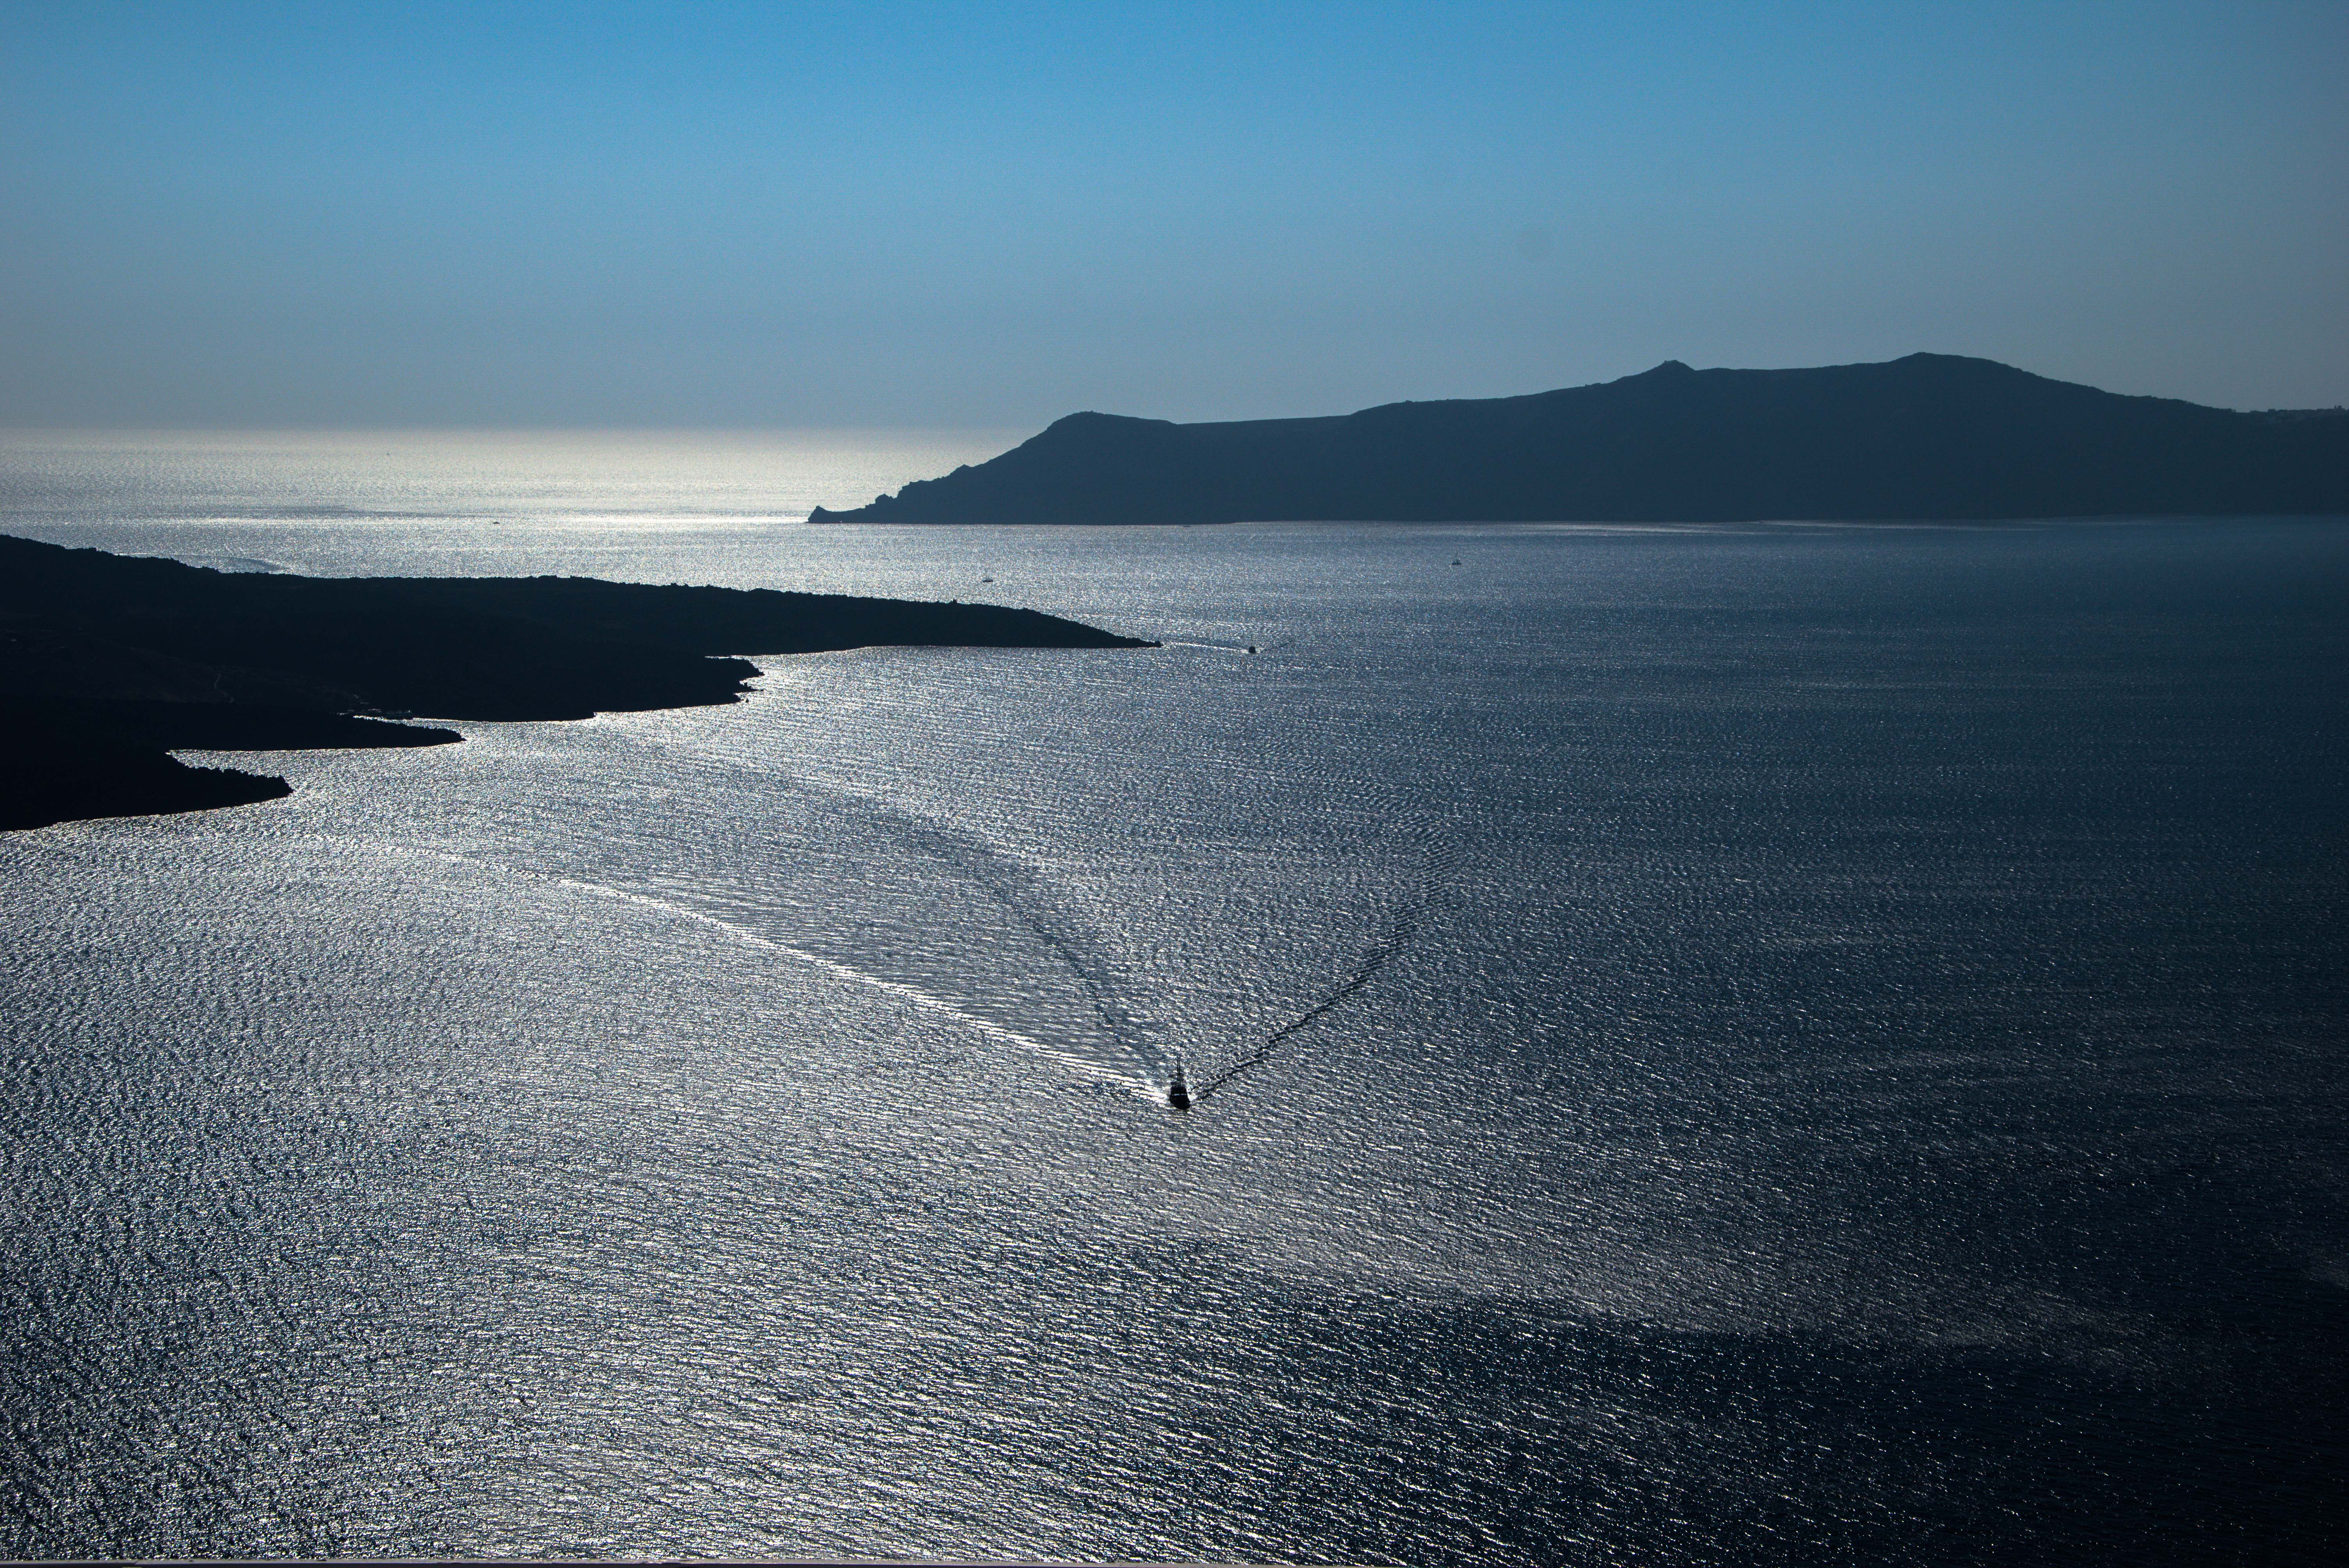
(925, 1000)
(1014, 887)
(1400, 932)
(983, 932)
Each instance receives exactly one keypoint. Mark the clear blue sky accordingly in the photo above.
(239, 214)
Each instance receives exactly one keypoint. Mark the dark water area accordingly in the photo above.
(1843, 1061)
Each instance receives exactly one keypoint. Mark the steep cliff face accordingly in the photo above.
(1931, 436)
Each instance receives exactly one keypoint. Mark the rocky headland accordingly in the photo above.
(108, 663)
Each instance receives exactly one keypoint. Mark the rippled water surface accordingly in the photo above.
(1764, 1044)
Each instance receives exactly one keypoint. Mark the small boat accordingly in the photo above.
(1178, 1093)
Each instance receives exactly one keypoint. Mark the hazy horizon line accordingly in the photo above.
(752, 430)
(8, 431)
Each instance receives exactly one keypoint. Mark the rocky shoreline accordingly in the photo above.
(108, 663)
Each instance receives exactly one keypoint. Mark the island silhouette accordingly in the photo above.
(109, 662)
(1933, 436)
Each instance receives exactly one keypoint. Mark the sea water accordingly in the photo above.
(1762, 1044)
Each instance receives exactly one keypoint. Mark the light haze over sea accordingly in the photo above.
(1752, 1044)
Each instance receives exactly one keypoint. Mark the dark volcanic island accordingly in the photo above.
(108, 662)
(1931, 436)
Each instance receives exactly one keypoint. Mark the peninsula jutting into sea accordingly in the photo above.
(107, 662)
(1930, 436)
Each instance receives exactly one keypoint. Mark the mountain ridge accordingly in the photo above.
(1925, 437)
